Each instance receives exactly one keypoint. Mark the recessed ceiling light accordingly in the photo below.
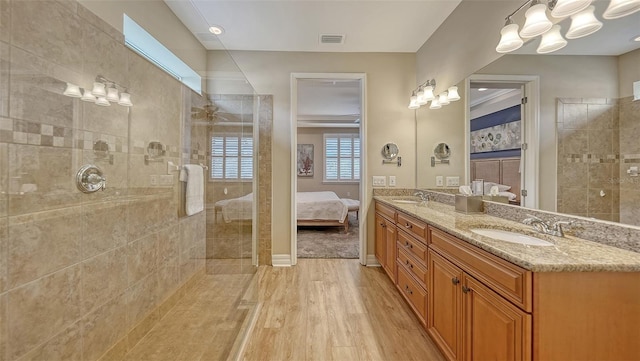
(216, 29)
(637, 38)
(482, 89)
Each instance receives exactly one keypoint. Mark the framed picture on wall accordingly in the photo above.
(305, 160)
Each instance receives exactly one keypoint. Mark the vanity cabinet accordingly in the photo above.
(385, 239)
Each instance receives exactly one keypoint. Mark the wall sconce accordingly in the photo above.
(583, 22)
(424, 94)
(103, 93)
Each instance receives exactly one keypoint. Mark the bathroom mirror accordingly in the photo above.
(442, 151)
(390, 151)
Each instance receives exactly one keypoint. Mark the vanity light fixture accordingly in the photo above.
(103, 92)
(72, 90)
(424, 94)
(637, 38)
(620, 8)
(435, 104)
(443, 98)
(551, 41)
(583, 22)
(413, 101)
(421, 99)
(453, 94)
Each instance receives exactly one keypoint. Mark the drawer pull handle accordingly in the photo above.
(407, 225)
(455, 280)
(406, 244)
(406, 288)
(466, 289)
(408, 264)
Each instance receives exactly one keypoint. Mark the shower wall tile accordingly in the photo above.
(53, 31)
(104, 227)
(142, 256)
(41, 243)
(96, 21)
(169, 246)
(110, 61)
(630, 115)
(142, 299)
(601, 174)
(575, 116)
(601, 116)
(4, 73)
(5, 18)
(67, 345)
(600, 141)
(115, 169)
(598, 203)
(103, 278)
(45, 175)
(629, 210)
(575, 141)
(4, 178)
(104, 327)
(4, 245)
(4, 327)
(113, 120)
(38, 310)
(168, 280)
(142, 218)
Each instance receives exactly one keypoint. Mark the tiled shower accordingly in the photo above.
(85, 276)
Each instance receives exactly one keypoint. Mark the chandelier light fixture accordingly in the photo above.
(583, 22)
(103, 93)
(425, 94)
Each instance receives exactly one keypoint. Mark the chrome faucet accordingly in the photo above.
(541, 226)
(424, 198)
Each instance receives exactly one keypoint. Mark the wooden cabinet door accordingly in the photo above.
(381, 246)
(445, 306)
(493, 328)
(390, 239)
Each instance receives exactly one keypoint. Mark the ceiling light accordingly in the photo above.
(482, 89)
(564, 8)
(551, 41)
(453, 93)
(536, 22)
(216, 29)
(637, 38)
(620, 8)
(583, 23)
(509, 39)
(72, 90)
(413, 102)
(435, 104)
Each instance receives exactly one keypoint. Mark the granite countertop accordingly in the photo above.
(568, 254)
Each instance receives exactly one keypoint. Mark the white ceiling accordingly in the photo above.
(295, 25)
(327, 102)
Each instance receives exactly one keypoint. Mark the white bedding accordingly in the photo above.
(326, 206)
(311, 206)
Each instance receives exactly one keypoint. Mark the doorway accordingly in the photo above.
(501, 127)
(328, 161)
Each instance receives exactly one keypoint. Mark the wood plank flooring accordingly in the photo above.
(334, 309)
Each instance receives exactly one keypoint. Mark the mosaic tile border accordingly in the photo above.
(600, 158)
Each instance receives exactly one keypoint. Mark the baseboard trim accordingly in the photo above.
(372, 261)
(281, 260)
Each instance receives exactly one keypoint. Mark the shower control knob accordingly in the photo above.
(90, 179)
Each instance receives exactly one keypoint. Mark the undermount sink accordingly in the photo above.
(405, 201)
(512, 237)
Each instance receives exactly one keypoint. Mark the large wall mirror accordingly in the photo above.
(588, 124)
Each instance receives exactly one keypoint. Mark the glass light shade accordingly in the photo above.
(583, 23)
(421, 100)
(565, 8)
(443, 98)
(87, 96)
(435, 104)
(453, 94)
(537, 22)
(72, 90)
(125, 99)
(509, 40)
(103, 102)
(620, 8)
(428, 94)
(98, 90)
(551, 41)
(413, 103)
(112, 95)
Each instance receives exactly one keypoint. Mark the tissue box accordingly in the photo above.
(469, 204)
(499, 199)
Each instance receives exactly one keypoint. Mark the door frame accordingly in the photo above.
(362, 77)
(531, 129)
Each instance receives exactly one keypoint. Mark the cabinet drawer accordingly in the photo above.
(413, 293)
(417, 269)
(413, 246)
(386, 211)
(507, 279)
(413, 226)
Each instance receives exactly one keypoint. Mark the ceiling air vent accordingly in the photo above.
(331, 39)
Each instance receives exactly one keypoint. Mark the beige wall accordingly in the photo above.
(314, 184)
(629, 72)
(390, 79)
(156, 18)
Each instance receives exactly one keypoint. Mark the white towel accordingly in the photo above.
(194, 196)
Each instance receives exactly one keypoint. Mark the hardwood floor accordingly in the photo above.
(334, 309)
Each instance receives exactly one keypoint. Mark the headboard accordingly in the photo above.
(499, 170)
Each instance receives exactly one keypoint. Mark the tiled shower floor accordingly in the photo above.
(207, 323)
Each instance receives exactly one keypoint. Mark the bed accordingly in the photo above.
(499, 171)
(313, 209)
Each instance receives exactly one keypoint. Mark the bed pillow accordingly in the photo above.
(501, 187)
